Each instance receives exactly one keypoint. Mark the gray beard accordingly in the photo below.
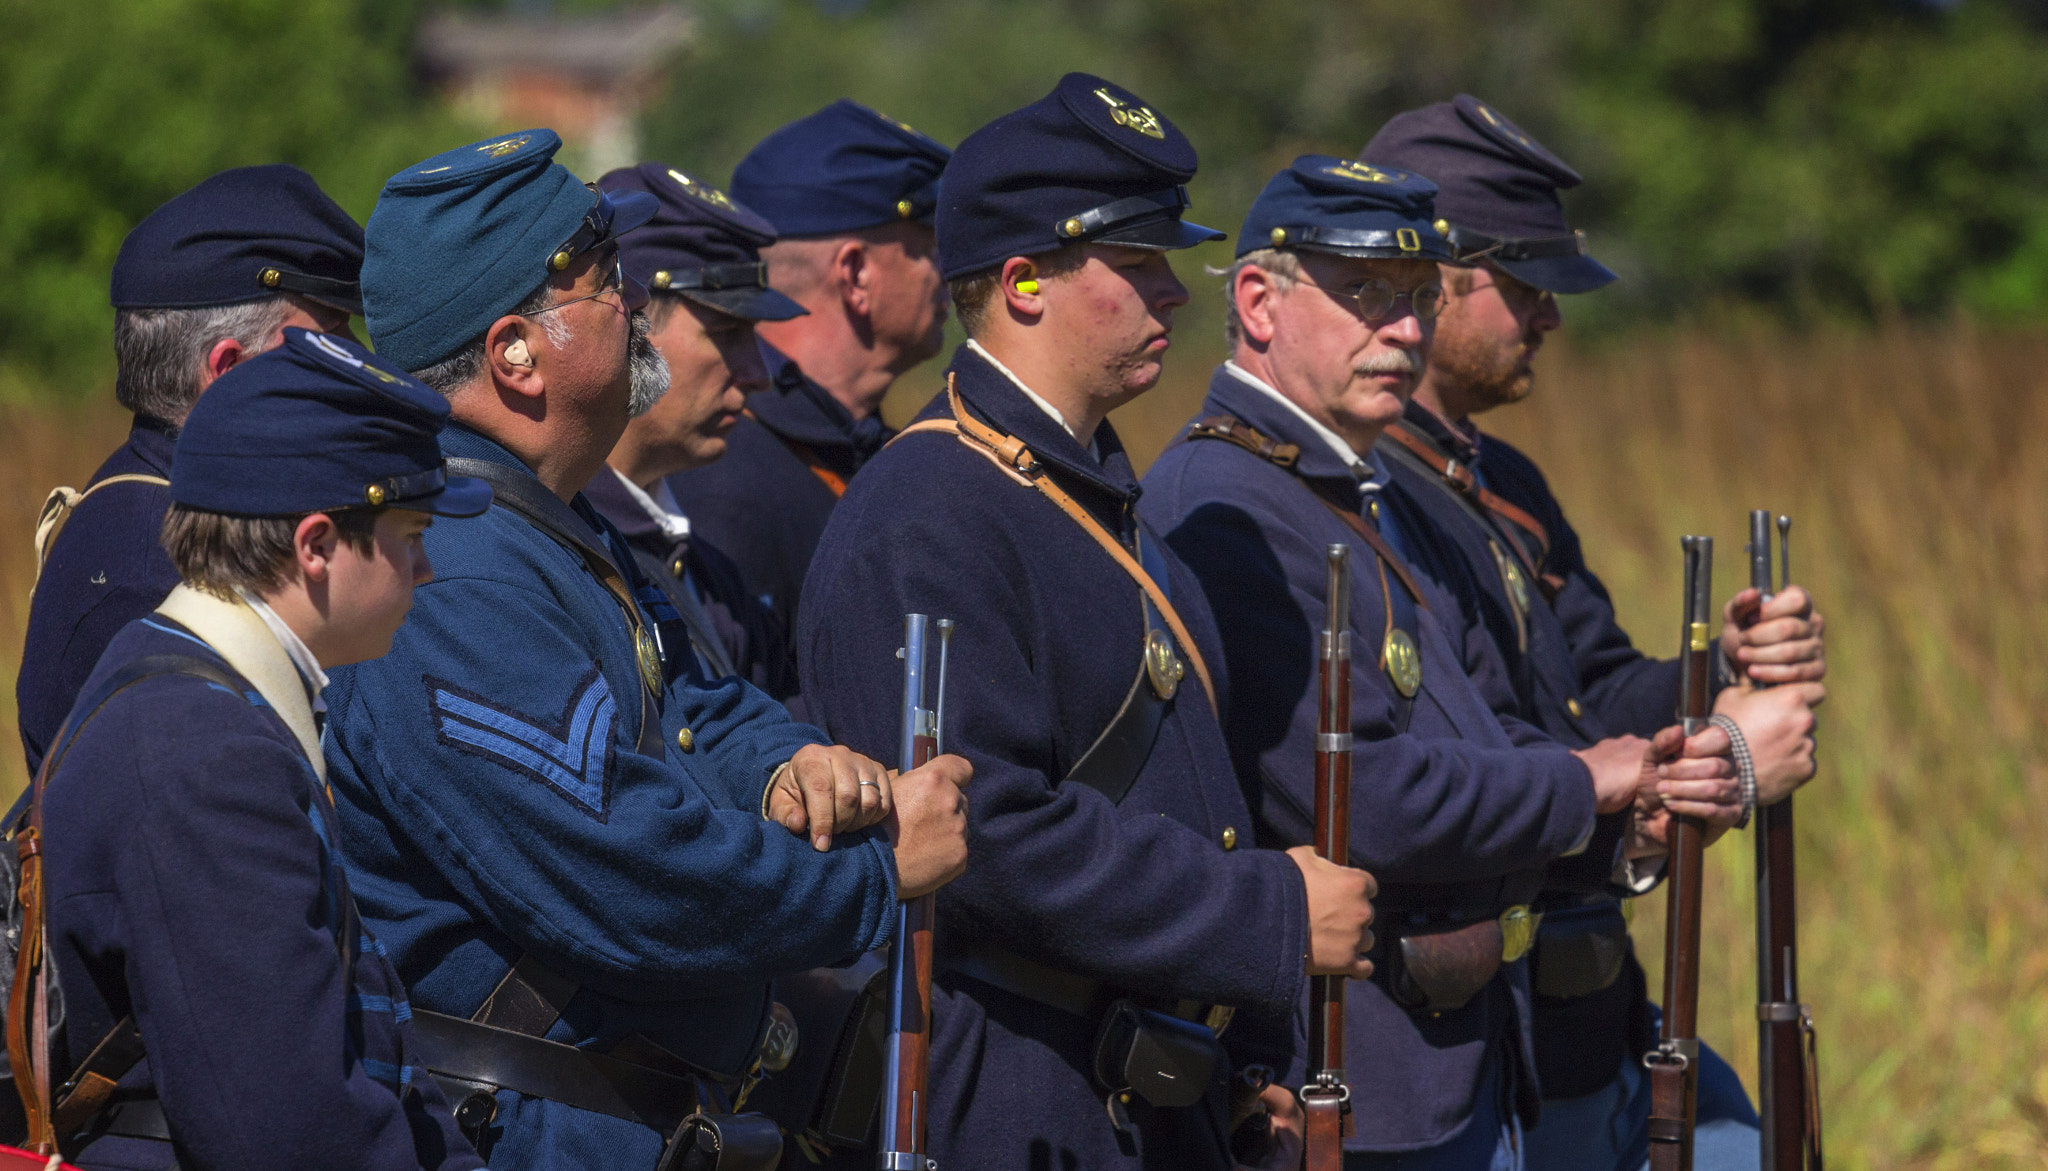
(650, 374)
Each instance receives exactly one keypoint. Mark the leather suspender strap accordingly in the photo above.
(826, 476)
(1461, 479)
(28, 1007)
(1015, 459)
(526, 497)
(62, 502)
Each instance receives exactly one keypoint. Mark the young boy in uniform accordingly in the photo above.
(199, 917)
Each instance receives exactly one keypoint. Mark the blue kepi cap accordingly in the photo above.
(315, 425)
(459, 240)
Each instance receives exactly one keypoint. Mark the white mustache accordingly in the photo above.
(1391, 362)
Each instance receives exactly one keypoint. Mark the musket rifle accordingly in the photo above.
(1785, 1050)
(1326, 1098)
(1674, 1063)
(906, 1075)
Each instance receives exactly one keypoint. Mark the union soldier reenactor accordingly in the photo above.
(1519, 574)
(209, 279)
(587, 857)
(1457, 810)
(200, 918)
(851, 194)
(701, 262)
(1116, 904)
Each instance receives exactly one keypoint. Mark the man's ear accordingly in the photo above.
(226, 354)
(1254, 293)
(1022, 288)
(313, 546)
(509, 355)
(854, 276)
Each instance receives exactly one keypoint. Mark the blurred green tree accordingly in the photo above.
(108, 110)
(1860, 157)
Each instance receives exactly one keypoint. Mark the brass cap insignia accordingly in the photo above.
(659, 280)
(1363, 172)
(560, 260)
(1278, 236)
(905, 208)
(376, 494)
(1501, 124)
(650, 659)
(1130, 117)
(1162, 666)
(1071, 228)
(270, 277)
(1402, 663)
(702, 191)
(1518, 932)
(1443, 227)
(504, 146)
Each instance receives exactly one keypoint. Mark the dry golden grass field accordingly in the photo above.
(1915, 462)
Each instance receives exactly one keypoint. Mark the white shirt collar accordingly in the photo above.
(1367, 471)
(294, 647)
(1031, 394)
(661, 507)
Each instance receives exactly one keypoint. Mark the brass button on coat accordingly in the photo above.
(685, 739)
(1576, 708)
(1230, 837)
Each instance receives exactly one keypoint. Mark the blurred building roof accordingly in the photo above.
(585, 76)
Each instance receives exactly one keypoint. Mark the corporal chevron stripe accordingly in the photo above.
(572, 754)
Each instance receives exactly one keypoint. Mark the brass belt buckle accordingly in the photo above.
(1518, 926)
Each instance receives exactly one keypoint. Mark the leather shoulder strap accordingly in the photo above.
(62, 502)
(529, 499)
(1015, 459)
(28, 1005)
(1464, 483)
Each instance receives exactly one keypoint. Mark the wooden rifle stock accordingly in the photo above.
(1326, 1099)
(906, 1077)
(1674, 1063)
(1787, 1082)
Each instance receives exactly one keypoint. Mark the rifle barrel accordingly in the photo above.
(1327, 1098)
(1781, 1055)
(908, 1052)
(1674, 1064)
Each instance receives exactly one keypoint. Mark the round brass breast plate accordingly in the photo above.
(1162, 666)
(650, 659)
(1403, 663)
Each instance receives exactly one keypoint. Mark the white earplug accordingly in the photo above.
(516, 354)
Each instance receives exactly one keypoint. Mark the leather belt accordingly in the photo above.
(466, 1051)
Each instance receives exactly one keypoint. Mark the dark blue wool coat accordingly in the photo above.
(193, 882)
(753, 642)
(1560, 655)
(106, 569)
(761, 503)
(1457, 816)
(1140, 895)
(494, 804)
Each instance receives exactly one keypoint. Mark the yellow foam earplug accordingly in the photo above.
(1027, 286)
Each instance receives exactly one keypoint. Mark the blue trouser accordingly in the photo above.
(1610, 1128)
(1492, 1141)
